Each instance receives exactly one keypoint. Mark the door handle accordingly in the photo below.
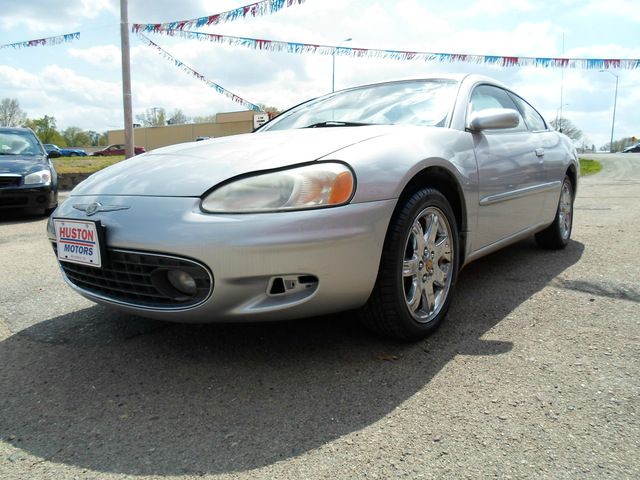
(540, 152)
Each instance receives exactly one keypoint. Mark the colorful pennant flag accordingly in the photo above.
(258, 9)
(192, 72)
(57, 40)
(502, 61)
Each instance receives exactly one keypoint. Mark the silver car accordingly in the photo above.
(371, 198)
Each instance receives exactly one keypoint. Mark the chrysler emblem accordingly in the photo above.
(95, 207)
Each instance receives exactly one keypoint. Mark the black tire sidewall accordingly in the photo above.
(551, 237)
(565, 241)
(400, 229)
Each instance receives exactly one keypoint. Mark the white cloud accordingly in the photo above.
(103, 55)
(499, 7)
(47, 16)
(622, 9)
(71, 98)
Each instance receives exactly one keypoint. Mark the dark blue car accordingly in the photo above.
(65, 152)
(27, 176)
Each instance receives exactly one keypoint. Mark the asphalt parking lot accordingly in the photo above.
(535, 374)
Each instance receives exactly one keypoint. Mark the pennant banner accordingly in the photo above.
(192, 72)
(57, 40)
(502, 61)
(258, 9)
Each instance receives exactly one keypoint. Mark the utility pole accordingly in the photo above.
(561, 89)
(126, 79)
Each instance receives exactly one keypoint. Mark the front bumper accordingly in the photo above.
(28, 197)
(338, 247)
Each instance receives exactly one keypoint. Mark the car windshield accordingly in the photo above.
(19, 143)
(416, 102)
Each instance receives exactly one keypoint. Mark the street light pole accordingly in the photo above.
(615, 101)
(333, 71)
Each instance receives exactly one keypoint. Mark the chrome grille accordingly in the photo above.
(132, 278)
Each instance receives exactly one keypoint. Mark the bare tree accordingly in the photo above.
(272, 111)
(11, 115)
(178, 117)
(205, 119)
(568, 128)
(153, 117)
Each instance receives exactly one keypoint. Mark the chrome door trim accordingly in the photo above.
(520, 192)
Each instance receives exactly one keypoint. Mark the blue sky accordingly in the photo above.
(79, 82)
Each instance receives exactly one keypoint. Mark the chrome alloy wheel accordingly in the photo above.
(427, 264)
(565, 210)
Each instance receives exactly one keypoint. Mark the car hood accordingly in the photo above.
(21, 164)
(190, 169)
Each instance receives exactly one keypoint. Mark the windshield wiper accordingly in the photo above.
(337, 123)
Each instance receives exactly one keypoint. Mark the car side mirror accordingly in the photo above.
(54, 154)
(493, 119)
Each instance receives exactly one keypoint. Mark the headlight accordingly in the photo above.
(311, 186)
(42, 177)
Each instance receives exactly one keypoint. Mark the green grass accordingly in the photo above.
(70, 165)
(589, 166)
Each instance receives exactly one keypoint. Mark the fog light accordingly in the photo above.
(182, 281)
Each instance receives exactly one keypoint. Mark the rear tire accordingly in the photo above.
(418, 269)
(556, 236)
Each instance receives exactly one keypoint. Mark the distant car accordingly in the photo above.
(632, 149)
(117, 149)
(27, 176)
(64, 152)
(371, 197)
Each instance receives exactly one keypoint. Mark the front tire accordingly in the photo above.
(418, 269)
(556, 236)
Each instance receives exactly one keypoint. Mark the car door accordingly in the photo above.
(510, 172)
(552, 153)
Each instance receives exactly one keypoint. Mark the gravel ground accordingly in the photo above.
(534, 375)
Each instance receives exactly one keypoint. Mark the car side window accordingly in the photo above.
(532, 118)
(488, 96)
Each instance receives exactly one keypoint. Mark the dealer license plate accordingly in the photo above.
(78, 242)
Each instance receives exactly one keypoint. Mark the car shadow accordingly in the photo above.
(114, 393)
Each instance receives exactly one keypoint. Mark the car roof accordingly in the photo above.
(457, 77)
(15, 130)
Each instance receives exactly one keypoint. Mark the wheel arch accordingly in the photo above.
(445, 182)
